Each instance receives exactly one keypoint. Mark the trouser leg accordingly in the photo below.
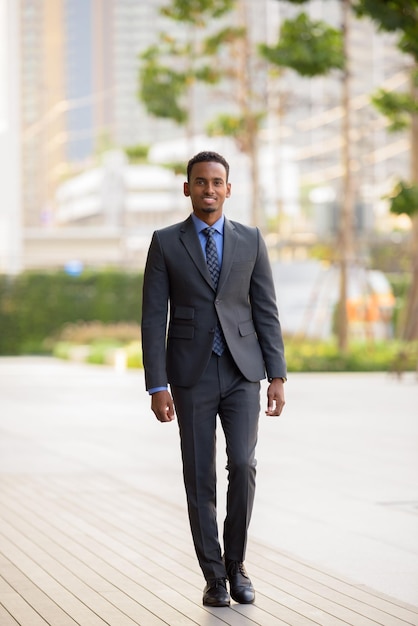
(239, 413)
(196, 410)
(221, 390)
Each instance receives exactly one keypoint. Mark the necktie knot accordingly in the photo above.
(209, 231)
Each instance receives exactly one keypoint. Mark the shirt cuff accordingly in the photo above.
(155, 389)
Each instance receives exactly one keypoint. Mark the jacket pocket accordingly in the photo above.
(246, 328)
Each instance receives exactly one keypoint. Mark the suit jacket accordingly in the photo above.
(177, 285)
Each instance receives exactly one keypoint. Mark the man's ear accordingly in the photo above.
(228, 190)
(186, 190)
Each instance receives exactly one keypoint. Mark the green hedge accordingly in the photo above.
(312, 356)
(35, 305)
(301, 355)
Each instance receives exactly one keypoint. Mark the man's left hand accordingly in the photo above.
(275, 397)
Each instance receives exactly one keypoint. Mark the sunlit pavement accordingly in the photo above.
(337, 473)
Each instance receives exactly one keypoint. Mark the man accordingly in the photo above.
(223, 337)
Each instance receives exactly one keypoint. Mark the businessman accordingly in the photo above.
(211, 277)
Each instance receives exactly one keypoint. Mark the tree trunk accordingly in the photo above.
(249, 144)
(346, 210)
(411, 321)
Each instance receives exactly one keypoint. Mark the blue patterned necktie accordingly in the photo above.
(213, 266)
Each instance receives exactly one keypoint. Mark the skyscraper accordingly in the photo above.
(43, 106)
(79, 88)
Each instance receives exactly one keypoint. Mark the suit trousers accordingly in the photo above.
(221, 391)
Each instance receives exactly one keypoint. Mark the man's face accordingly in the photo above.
(207, 189)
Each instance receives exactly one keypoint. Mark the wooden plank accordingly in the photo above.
(48, 609)
(70, 597)
(196, 612)
(393, 608)
(310, 604)
(98, 537)
(335, 602)
(169, 577)
(331, 601)
(111, 582)
(342, 598)
(126, 583)
(5, 618)
(19, 607)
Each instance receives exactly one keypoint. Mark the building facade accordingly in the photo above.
(10, 158)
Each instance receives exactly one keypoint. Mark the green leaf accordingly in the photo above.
(391, 15)
(193, 11)
(227, 125)
(170, 68)
(409, 44)
(137, 153)
(404, 199)
(394, 16)
(236, 126)
(161, 89)
(311, 48)
(226, 36)
(208, 75)
(396, 106)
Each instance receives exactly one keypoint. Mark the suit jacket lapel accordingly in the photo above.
(191, 242)
(230, 243)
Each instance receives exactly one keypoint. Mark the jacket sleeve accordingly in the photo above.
(154, 316)
(265, 314)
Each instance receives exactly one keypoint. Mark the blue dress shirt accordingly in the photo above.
(218, 236)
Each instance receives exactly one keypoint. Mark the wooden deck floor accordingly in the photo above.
(93, 526)
(86, 549)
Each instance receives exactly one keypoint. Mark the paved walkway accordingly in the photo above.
(93, 528)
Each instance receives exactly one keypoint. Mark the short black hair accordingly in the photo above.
(203, 157)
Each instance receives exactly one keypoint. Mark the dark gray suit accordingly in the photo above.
(177, 284)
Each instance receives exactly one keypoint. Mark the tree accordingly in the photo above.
(242, 90)
(221, 58)
(170, 69)
(401, 17)
(313, 48)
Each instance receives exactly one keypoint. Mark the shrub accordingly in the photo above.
(311, 356)
(88, 332)
(37, 305)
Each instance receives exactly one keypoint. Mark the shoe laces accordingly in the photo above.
(236, 567)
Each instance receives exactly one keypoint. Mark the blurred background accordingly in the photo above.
(315, 106)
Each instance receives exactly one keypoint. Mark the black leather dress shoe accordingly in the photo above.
(240, 585)
(215, 593)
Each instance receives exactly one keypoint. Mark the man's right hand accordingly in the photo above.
(163, 406)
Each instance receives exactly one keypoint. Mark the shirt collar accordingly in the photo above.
(200, 225)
